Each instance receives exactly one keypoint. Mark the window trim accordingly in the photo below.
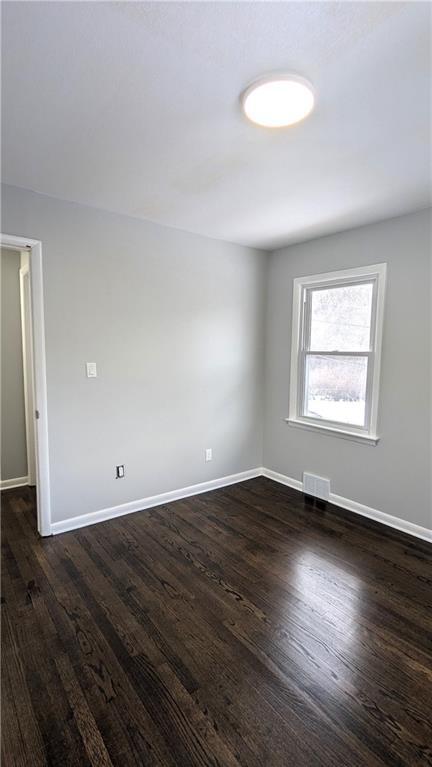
(301, 286)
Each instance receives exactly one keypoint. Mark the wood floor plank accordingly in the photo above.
(92, 739)
(301, 670)
(243, 627)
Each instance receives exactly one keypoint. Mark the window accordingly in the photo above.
(336, 349)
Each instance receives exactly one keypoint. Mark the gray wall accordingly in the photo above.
(394, 476)
(175, 323)
(13, 432)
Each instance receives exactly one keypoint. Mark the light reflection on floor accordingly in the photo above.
(331, 590)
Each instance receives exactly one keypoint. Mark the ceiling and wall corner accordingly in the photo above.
(135, 109)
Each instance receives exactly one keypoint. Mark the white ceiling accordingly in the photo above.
(133, 107)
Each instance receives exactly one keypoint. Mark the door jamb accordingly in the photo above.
(40, 383)
(28, 366)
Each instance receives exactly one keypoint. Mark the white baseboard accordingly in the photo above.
(9, 484)
(358, 508)
(282, 479)
(154, 500)
(174, 495)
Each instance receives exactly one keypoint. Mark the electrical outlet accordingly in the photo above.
(91, 369)
(120, 471)
(208, 454)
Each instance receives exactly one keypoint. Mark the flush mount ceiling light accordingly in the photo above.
(278, 100)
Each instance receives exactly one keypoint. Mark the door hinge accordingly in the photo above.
(37, 415)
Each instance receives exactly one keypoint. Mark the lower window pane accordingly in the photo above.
(335, 388)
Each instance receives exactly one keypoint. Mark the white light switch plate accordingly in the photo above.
(91, 369)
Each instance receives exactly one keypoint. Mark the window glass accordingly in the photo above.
(335, 388)
(341, 318)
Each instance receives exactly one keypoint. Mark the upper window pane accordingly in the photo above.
(341, 318)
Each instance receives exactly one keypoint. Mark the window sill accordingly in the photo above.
(364, 439)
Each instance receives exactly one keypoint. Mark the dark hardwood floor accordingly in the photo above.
(239, 627)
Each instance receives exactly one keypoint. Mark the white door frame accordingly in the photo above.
(40, 386)
(28, 365)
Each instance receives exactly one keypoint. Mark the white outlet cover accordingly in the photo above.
(208, 454)
(91, 369)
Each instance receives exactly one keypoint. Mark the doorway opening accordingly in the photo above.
(24, 428)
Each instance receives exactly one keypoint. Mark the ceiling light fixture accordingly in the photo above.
(278, 100)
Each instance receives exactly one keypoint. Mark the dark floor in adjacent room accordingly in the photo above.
(239, 627)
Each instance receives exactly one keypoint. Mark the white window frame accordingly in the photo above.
(375, 273)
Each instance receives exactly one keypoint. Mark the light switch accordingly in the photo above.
(91, 369)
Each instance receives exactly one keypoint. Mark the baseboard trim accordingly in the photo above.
(154, 500)
(203, 487)
(9, 484)
(283, 479)
(358, 508)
